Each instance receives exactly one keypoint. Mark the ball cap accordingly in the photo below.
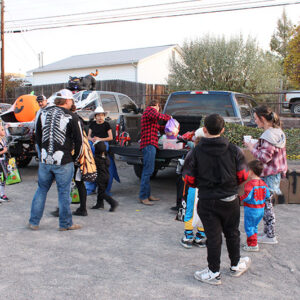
(64, 94)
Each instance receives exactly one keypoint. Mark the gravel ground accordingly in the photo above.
(133, 253)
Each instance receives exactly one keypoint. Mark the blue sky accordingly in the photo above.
(22, 49)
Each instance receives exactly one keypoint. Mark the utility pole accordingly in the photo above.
(2, 53)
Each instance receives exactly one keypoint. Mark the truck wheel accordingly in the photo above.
(138, 169)
(23, 162)
(295, 108)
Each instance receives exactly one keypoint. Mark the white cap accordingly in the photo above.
(100, 110)
(199, 132)
(64, 94)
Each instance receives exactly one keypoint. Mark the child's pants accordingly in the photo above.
(252, 217)
(189, 213)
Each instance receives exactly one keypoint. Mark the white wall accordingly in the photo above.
(122, 72)
(155, 69)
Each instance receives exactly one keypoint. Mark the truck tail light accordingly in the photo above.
(199, 92)
(117, 132)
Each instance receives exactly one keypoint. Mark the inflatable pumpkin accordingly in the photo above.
(25, 108)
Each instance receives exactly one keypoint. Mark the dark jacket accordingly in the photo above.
(216, 168)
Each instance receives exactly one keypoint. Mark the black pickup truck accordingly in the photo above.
(188, 108)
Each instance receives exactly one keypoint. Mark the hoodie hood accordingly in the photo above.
(274, 136)
(214, 146)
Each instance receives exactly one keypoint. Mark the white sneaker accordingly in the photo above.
(208, 276)
(250, 248)
(186, 243)
(266, 240)
(241, 267)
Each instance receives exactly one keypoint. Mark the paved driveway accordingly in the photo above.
(133, 253)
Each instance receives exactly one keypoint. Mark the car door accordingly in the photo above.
(109, 104)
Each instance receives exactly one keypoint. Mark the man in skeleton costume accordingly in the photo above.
(59, 136)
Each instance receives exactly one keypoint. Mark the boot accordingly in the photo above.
(113, 206)
(99, 205)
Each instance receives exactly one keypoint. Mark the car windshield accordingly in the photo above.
(205, 104)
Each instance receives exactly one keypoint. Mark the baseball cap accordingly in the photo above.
(64, 94)
(40, 98)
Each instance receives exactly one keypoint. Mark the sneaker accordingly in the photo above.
(267, 240)
(33, 227)
(241, 267)
(186, 242)
(208, 276)
(199, 242)
(73, 227)
(4, 198)
(250, 248)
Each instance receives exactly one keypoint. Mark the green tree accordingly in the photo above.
(10, 84)
(292, 60)
(212, 63)
(281, 36)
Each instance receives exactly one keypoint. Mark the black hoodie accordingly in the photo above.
(216, 168)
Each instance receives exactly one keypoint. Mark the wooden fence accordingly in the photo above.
(141, 93)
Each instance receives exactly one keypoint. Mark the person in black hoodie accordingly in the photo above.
(102, 163)
(217, 167)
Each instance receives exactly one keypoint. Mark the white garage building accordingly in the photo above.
(146, 65)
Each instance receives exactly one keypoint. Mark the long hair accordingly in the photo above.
(267, 113)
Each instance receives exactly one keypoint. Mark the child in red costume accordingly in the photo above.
(256, 192)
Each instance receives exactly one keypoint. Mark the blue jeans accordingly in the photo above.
(63, 175)
(149, 153)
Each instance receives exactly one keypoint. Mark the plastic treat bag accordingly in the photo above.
(74, 193)
(13, 175)
(172, 129)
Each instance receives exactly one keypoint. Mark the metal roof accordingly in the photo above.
(102, 59)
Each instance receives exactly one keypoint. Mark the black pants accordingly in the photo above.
(102, 184)
(218, 216)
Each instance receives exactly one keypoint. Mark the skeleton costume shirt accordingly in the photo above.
(58, 133)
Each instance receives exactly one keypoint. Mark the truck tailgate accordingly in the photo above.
(134, 151)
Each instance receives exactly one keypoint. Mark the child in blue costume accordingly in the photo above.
(188, 239)
(255, 194)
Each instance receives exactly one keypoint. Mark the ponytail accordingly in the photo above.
(269, 115)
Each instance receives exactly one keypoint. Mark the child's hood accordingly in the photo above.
(274, 136)
(214, 146)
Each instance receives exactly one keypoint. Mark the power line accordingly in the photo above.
(156, 17)
(104, 11)
(179, 9)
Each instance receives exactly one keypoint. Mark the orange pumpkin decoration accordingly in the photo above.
(25, 108)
